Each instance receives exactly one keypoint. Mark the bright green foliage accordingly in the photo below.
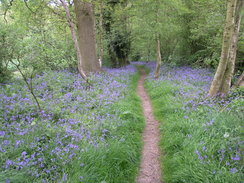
(202, 29)
(36, 37)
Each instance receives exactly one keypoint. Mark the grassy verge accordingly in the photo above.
(201, 139)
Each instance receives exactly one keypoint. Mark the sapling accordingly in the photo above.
(28, 84)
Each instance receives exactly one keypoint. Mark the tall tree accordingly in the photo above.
(75, 39)
(223, 75)
(86, 33)
(159, 58)
(233, 48)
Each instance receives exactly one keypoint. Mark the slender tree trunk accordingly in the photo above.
(75, 40)
(101, 34)
(228, 33)
(86, 32)
(226, 84)
(157, 71)
(159, 57)
(28, 83)
(148, 51)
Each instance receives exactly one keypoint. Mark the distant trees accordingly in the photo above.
(222, 79)
(155, 30)
(191, 31)
(117, 32)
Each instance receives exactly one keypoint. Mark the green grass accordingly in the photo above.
(183, 135)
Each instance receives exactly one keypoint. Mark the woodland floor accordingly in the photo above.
(150, 171)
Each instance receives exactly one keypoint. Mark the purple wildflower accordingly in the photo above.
(6, 142)
(204, 148)
(65, 177)
(2, 133)
(8, 163)
(23, 154)
(233, 170)
(236, 158)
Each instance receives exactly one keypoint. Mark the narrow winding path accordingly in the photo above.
(150, 171)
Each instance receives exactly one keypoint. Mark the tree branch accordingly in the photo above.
(27, 6)
(6, 10)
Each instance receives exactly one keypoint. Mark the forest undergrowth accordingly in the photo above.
(201, 137)
(82, 134)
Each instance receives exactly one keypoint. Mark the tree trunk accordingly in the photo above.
(86, 32)
(101, 53)
(159, 58)
(226, 84)
(157, 71)
(227, 40)
(75, 40)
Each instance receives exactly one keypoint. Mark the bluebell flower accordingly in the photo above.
(233, 170)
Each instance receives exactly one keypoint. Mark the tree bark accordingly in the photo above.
(86, 32)
(75, 40)
(159, 58)
(227, 38)
(226, 84)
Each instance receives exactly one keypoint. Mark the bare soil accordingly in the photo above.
(150, 171)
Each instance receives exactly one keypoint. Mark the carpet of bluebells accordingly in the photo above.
(38, 146)
(201, 136)
(79, 127)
